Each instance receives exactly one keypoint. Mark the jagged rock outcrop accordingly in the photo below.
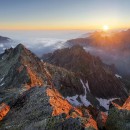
(101, 120)
(119, 117)
(98, 79)
(4, 109)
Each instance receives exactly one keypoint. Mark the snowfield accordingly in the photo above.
(73, 100)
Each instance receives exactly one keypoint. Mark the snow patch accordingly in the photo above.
(2, 84)
(84, 97)
(105, 102)
(73, 100)
(118, 76)
(12, 46)
(87, 86)
(1, 79)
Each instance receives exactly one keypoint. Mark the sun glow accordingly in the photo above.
(105, 27)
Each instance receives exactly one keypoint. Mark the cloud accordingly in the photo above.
(1, 45)
(41, 46)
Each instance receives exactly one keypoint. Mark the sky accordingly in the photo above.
(63, 14)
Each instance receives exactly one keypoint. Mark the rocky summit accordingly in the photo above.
(66, 90)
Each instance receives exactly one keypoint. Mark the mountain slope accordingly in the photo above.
(90, 69)
(97, 78)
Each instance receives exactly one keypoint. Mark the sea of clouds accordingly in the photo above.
(40, 42)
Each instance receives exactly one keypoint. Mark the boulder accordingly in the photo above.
(119, 117)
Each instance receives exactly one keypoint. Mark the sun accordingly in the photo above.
(105, 27)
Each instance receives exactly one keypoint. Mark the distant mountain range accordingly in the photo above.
(5, 43)
(112, 48)
(4, 39)
(67, 89)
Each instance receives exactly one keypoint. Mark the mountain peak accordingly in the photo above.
(20, 47)
(77, 47)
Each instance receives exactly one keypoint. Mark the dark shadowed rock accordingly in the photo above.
(101, 120)
(119, 117)
(102, 81)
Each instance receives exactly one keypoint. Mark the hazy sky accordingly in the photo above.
(64, 14)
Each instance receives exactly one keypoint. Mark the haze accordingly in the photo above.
(64, 14)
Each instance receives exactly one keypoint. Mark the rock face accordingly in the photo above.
(101, 120)
(4, 109)
(97, 77)
(119, 117)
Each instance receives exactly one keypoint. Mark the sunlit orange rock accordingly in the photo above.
(35, 80)
(90, 123)
(4, 109)
(61, 105)
(101, 119)
(126, 105)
